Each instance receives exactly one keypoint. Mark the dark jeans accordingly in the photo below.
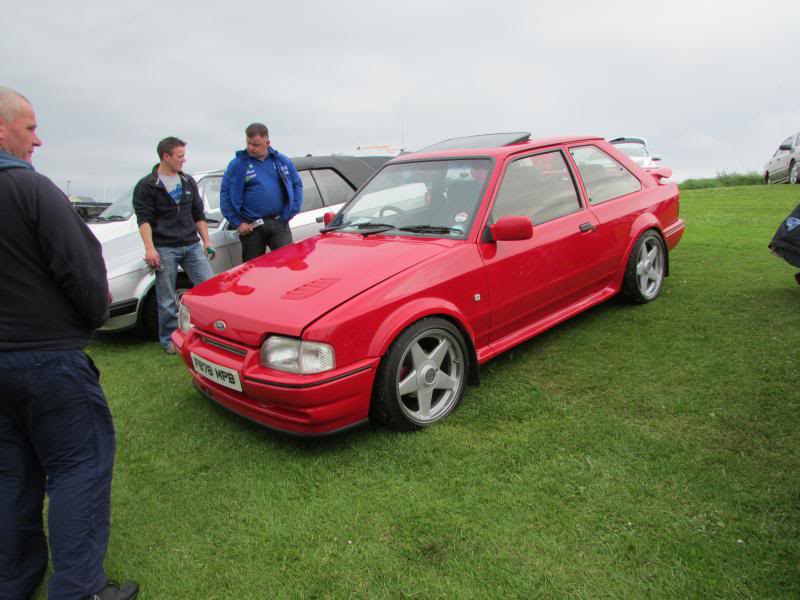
(272, 233)
(56, 435)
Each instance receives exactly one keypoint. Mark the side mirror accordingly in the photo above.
(656, 157)
(661, 173)
(509, 229)
(785, 147)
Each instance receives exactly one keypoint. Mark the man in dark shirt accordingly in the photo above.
(260, 193)
(56, 431)
(170, 214)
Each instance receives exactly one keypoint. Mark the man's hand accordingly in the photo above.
(245, 229)
(152, 259)
(210, 252)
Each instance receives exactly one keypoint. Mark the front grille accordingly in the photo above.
(223, 346)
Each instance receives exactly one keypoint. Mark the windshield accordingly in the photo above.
(119, 210)
(633, 150)
(431, 198)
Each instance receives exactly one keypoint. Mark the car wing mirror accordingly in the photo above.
(656, 157)
(661, 173)
(509, 229)
(785, 147)
(327, 218)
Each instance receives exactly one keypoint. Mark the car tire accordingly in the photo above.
(792, 173)
(423, 376)
(148, 320)
(646, 269)
(766, 178)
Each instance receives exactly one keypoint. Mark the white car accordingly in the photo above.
(782, 167)
(328, 182)
(636, 149)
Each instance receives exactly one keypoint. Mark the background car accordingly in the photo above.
(636, 148)
(445, 259)
(328, 181)
(782, 167)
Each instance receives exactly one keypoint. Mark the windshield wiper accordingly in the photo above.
(430, 229)
(360, 226)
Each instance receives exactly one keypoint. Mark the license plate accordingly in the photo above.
(221, 375)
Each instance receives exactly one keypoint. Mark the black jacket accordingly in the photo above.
(53, 288)
(172, 224)
(786, 240)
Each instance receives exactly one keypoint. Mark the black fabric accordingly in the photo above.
(786, 240)
(173, 224)
(273, 234)
(52, 275)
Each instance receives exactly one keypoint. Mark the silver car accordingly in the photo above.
(636, 149)
(782, 167)
(328, 182)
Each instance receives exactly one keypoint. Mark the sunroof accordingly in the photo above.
(486, 140)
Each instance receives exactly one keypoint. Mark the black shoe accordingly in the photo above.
(114, 591)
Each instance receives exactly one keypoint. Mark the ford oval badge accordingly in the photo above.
(219, 325)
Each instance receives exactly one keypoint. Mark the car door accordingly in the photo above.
(224, 240)
(304, 224)
(781, 169)
(531, 280)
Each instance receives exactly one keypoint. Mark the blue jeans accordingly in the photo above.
(193, 261)
(56, 434)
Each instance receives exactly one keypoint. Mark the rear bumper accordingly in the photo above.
(674, 233)
(322, 405)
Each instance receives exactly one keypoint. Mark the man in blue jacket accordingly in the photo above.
(56, 431)
(261, 191)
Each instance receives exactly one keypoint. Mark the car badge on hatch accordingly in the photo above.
(220, 325)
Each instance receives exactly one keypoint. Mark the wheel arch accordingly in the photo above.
(408, 314)
(644, 223)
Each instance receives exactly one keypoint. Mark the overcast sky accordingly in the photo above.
(712, 85)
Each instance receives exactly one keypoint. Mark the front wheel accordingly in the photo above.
(793, 173)
(646, 268)
(423, 376)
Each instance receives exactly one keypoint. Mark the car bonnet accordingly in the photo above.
(284, 291)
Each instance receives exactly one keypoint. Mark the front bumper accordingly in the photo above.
(121, 316)
(307, 405)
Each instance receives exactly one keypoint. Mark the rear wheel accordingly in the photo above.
(423, 376)
(793, 173)
(644, 275)
(766, 178)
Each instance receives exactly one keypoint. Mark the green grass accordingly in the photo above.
(633, 452)
(723, 179)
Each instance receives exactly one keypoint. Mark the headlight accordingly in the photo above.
(184, 318)
(296, 356)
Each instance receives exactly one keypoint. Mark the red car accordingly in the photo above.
(446, 258)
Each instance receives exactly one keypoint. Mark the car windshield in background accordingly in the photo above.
(119, 210)
(632, 149)
(430, 198)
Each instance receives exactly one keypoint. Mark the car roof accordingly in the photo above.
(479, 141)
(494, 151)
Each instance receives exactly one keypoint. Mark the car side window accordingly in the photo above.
(603, 177)
(209, 189)
(333, 186)
(311, 197)
(539, 187)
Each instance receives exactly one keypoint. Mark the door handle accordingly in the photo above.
(587, 227)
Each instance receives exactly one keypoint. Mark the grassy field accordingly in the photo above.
(634, 452)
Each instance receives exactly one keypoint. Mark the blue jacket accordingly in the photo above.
(232, 189)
